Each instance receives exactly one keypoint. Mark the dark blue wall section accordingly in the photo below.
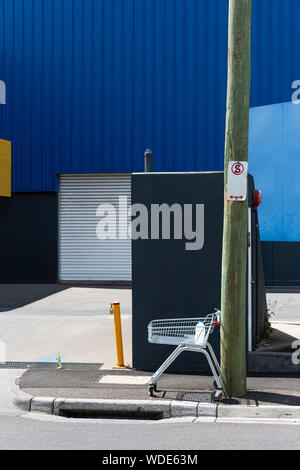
(92, 83)
(28, 238)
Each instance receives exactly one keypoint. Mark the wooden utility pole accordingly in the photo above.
(234, 263)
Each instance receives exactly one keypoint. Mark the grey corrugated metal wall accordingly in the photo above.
(92, 83)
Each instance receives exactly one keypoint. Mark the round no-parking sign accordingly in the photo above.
(238, 168)
(237, 181)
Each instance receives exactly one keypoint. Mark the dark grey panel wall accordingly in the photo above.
(168, 281)
(28, 238)
(281, 263)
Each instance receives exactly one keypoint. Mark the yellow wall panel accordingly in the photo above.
(5, 168)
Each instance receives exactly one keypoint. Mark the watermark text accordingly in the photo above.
(159, 222)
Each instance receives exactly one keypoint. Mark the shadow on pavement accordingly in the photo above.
(263, 398)
(18, 295)
(283, 290)
(273, 398)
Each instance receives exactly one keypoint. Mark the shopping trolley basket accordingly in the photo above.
(188, 334)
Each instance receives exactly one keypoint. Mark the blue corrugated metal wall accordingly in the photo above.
(92, 83)
(274, 160)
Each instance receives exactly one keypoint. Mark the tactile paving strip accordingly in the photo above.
(90, 366)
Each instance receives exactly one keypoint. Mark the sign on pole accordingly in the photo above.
(237, 181)
(5, 168)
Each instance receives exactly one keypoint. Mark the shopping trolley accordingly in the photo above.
(188, 334)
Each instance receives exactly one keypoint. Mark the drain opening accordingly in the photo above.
(102, 414)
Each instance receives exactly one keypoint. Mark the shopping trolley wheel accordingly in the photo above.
(216, 385)
(152, 389)
(217, 395)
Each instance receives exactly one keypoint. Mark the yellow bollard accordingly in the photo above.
(119, 341)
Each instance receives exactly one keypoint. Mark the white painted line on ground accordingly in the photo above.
(123, 380)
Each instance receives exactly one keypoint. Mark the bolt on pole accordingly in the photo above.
(234, 260)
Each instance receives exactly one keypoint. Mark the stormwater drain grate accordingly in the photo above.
(89, 366)
(195, 396)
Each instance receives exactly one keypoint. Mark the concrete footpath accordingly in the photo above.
(38, 321)
(124, 394)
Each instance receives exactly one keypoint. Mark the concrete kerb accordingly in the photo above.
(22, 400)
(105, 407)
(160, 408)
(42, 405)
(261, 412)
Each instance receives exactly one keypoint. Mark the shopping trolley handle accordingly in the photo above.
(218, 315)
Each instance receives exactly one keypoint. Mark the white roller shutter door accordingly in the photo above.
(82, 255)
